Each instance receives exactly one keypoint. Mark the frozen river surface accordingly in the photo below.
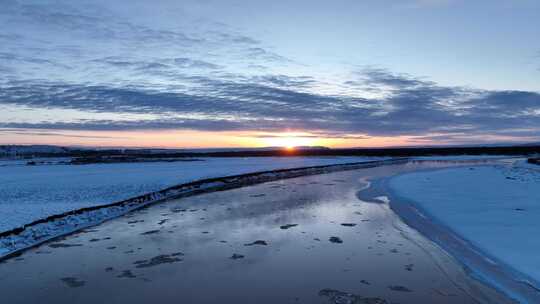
(302, 240)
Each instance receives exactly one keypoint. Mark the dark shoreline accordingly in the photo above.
(523, 150)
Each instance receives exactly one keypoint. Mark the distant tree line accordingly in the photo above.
(87, 154)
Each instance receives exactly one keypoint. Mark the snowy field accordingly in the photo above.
(497, 208)
(28, 193)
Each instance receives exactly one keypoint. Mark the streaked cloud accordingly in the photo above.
(409, 107)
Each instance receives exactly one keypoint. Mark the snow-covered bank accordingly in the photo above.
(465, 158)
(495, 208)
(41, 230)
(28, 193)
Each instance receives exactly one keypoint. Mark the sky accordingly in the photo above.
(250, 73)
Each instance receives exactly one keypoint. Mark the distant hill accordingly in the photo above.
(20, 151)
(49, 150)
(31, 150)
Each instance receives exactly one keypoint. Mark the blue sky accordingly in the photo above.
(408, 71)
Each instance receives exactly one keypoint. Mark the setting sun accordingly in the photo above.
(289, 140)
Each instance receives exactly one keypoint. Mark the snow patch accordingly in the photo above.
(495, 208)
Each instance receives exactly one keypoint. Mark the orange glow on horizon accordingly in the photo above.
(192, 139)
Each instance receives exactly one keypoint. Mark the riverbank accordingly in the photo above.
(485, 216)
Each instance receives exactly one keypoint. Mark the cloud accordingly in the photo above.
(311, 135)
(381, 77)
(258, 53)
(194, 63)
(56, 134)
(166, 67)
(287, 81)
(409, 107)
(63, 41)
